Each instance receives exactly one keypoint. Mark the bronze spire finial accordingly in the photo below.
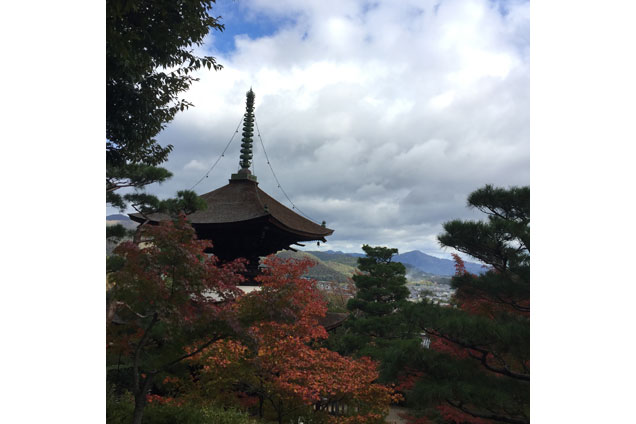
(248, 131)
(246, 144)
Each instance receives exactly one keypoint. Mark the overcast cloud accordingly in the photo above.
(378, 117)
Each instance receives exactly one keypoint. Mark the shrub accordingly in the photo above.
(119, 410)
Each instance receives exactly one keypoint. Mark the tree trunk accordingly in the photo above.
(140, 404)
(140, 399)
(279, 410)
(141, 388)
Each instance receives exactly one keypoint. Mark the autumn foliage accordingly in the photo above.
(279, 362)
(168, 301)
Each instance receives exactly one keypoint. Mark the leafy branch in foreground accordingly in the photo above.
(150, 60)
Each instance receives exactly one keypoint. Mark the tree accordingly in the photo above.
(376, 322)
(149, 62)
(171, 301)
(279, 363)
(477, 369)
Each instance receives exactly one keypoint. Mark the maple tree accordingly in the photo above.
(167, 295)
(477, 369)
(278, 366)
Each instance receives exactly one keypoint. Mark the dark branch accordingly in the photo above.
(483, 358)
(503, 371)
(492, 416)
(188, 355)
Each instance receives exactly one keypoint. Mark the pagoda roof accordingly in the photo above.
(242, 200)
(240, 216)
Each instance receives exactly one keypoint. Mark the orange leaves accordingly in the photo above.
(170, 380)
(172, 276)
(221, 354)
(167, 294)
(162, 400)
(408, 380)
(460, 267)
(278, 357)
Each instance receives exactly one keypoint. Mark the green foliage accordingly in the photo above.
(504, 240)
(115, 199)
(186, 202)
(130, 175)
(119, 410)
(114, 263)
(343, 269)
(376, 325)
(119, 407)
(227, 416)
(381, 286)
(192, 414)
(341, 258)
(117, 231)
(149, 62)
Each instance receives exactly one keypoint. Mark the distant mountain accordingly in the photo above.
(419, 264)
(323, 270)
(338, 252)
(117, 217)
(339, 257)
(433, 265)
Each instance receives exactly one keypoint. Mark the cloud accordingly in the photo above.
(195, 165)
(378, 117)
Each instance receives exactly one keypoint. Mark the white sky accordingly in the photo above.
(378, 118)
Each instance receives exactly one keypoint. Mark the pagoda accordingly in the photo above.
(243, 221)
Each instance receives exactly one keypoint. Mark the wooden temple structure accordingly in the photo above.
(243, 221)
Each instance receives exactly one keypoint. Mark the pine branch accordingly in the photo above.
(483, 359)
(505, 370)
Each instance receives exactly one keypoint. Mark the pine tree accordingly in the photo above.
(477, 369)
(376, 323)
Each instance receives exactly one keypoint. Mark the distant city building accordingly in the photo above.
(437, 293)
